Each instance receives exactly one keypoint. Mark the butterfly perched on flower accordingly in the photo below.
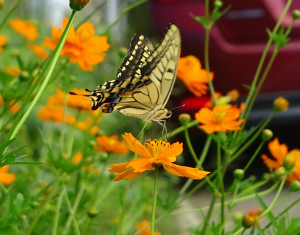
(144, 80)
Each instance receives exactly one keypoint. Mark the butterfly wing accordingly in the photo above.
(144, 80)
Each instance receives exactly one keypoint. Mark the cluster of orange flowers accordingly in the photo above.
(3, 41)
(283, 158)
(54, 110)
(5, 177)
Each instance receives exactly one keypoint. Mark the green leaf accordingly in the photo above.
(6, 144)
(265, 207)
(10, 158)
(21, 63)
(27, 163)
(201, 19)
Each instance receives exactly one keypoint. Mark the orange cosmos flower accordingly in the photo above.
(39, 51)
(86, 124)
(3, 41)
(12, 71)
(219, 119)
(56, 114)
(25, 28)
(282, 157)
(110, 145)
(12, 106)
(147, 231)
(153, 153)
(6, 178)
(194, 77)
(77, 158)
(82, 46)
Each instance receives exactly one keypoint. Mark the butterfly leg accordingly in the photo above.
(146, 123)
(162, 123)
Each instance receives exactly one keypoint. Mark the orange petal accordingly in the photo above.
(271, 164)
(277, 150)
(127, 175)
(135, 146)
(185, 171)
(171, 152)
(118, 168)
(140, 164)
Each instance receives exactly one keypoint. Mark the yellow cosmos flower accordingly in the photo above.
(147, 231)
(3, 41)
(219, 119)
(25, 28)
(194, 77)
(6, 178)
(110, 145)
(39, 51)
(153, 153)
(82, 46)
(282, 157)
(12, 71)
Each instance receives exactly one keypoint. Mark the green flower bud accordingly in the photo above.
(267, 134)
(280, 172)
(296, 14)
(238, 174)
(93, 212)
(237, 217)
(24, 75)
(218, 4)
(295, 186)
(78, 5)
(184, 118)
(35, 204)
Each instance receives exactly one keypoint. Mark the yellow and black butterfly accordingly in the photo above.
(144, 80)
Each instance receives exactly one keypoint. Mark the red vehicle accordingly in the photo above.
(236, 44)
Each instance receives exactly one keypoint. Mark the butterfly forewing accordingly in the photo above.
(145, 78)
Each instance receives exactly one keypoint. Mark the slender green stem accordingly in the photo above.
(182, 128)
(19, 121)
(9, 14)
(270, 207)
(189, 144)
(74, 208)
(91, 14)
(41, 210)
(254, 137)
(261, 62)
(209, 214)
(2, 187)
(220, 176)
(72, 136)
(72, 213)
(154, 200)
(63, 125)
(254, 155)
(205, 150)
(57, 212)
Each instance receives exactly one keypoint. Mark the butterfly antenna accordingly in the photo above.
(73, 93)
(184, 105)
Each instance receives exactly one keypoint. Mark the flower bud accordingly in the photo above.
(237, 217)
(296, 14)
(218, 4)
(1, 4)
(281, 104)
(93, 212)
(295, 186)
(290, 159)
(78, 5)
(249, 221)
(266, 176)
(24, 75)
(184, 118)
(238, 174)
(267, 134)
(280, 172)
(35, 204)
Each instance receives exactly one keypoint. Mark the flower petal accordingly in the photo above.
(271, 164)
(140, 164)
(171, 152)
(127, 175)
(118, 168)
(185, 171)
(277, 150)
(135, 146)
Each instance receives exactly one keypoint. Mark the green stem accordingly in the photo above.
(206, 52)
(74, 208)
(261, 62)
(57, 212)
(72, 136)
(63, 125)
(209, 214)
(19, 121)
(9, 14)
(91, 14)
(254, 155)
(189, 144)
(220, 176)
(41, 209)
(270, 207)
(72, 213)
(182, 128)
(154, 200)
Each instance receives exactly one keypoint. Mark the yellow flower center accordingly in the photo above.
(111, 142)
(156, 146)
(83, 35)
(220, 116)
